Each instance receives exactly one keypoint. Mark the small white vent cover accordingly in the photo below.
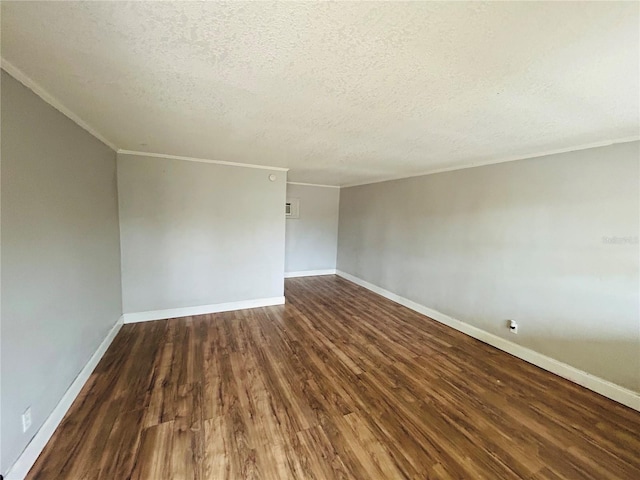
(292, 208)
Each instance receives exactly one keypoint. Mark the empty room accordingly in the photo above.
(319, 240)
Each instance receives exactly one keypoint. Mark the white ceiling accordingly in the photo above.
(341, 93)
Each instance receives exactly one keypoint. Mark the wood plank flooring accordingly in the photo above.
(338, 384)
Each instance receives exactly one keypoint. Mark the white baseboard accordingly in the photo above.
(603, 387)
(310, 273)
(25, 461)
(201, 309)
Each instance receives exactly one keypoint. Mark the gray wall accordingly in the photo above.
(521, 240)
(60, 257)
(198, 233)
(312, 239)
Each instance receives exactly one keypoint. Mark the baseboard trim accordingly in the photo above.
(201, 310)
(25, 461)
(603, 387)
(310, 273)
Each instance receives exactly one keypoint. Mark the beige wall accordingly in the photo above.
(312, 239)
(525, 240)
(196, 234)
(60, 257)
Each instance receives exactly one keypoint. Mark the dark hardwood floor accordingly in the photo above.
(339, 383)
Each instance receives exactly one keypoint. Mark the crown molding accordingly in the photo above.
(36, 88)
(514, 158)
(313, 185)
(200, 160)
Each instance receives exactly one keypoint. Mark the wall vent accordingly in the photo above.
(292, 208)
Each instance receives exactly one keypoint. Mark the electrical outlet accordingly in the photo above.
(513, 326)
(26, 420)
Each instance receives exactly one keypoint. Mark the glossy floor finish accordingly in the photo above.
(339, 383)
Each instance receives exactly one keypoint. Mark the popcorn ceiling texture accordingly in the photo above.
(339, 92)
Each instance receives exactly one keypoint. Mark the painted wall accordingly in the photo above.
(197, 234)
(312, 239)
(551, 242)
(61, 289)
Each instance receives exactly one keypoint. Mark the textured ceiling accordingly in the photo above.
(341, 93)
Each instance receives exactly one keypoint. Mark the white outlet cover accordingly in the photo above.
(26, 420)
